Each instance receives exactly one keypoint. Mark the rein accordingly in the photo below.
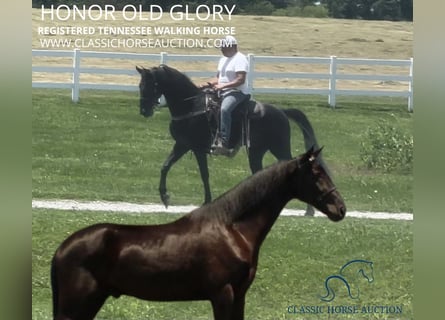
(192, 113)
(188, 115)
(193, 97)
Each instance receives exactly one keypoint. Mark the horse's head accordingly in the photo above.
(149, 91)
(367, 271)
(316, 187)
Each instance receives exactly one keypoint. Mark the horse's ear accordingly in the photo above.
(315, 153)
(140, 69)
(310, 155)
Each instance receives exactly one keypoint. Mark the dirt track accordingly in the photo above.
(127, 207)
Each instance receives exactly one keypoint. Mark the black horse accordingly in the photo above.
(269, 128)
(209, 254)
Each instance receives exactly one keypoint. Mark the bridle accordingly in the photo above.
(155, 93)
(325, 194)
(321, 197)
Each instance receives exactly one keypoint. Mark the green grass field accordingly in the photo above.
(102, 149)
(295, 259)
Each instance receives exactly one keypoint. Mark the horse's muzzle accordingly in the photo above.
(146, 112)
(339, 215)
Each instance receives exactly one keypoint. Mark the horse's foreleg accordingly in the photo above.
(240, 293)
(79, 297)
(85, 308)
(201, 158)
(238, 307)
(222, 303)
(176, 154)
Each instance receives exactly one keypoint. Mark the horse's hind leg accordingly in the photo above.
(201, 158)
(256, 159)
(310, 212)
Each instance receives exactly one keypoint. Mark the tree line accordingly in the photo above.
(394, 10)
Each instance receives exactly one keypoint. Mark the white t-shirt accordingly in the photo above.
(228, 67)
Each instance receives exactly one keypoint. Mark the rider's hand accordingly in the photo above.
(205, 85)
(219, 86)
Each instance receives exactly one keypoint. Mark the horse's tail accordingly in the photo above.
(303, 122)
(308, 131)
(54, 287)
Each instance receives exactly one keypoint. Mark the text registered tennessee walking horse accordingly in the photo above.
(209, 254)
(269, 128)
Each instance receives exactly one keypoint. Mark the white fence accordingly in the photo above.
(332, 75)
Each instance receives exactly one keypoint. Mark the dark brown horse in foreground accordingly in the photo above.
(209, 254)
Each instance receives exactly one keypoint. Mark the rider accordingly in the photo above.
(231, 81)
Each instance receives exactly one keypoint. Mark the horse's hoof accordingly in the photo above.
(165, 199)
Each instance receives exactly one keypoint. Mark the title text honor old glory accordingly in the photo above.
(131, 12)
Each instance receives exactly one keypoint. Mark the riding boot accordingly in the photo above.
(220, 147)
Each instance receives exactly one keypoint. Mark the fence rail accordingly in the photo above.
(332, 76)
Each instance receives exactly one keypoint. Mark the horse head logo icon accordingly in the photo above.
(350, 275)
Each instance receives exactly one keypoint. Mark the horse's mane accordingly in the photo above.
(242, 200)
(179, 77)
(181, 93)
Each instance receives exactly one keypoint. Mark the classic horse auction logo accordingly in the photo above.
(350, 275)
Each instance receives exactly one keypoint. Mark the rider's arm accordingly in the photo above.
(239, 80)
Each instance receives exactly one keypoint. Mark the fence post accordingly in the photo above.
(250, 73)
(332, 81)
(410, 87)
(75, 91)
(163, 57)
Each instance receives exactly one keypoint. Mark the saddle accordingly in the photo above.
(247, 110)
